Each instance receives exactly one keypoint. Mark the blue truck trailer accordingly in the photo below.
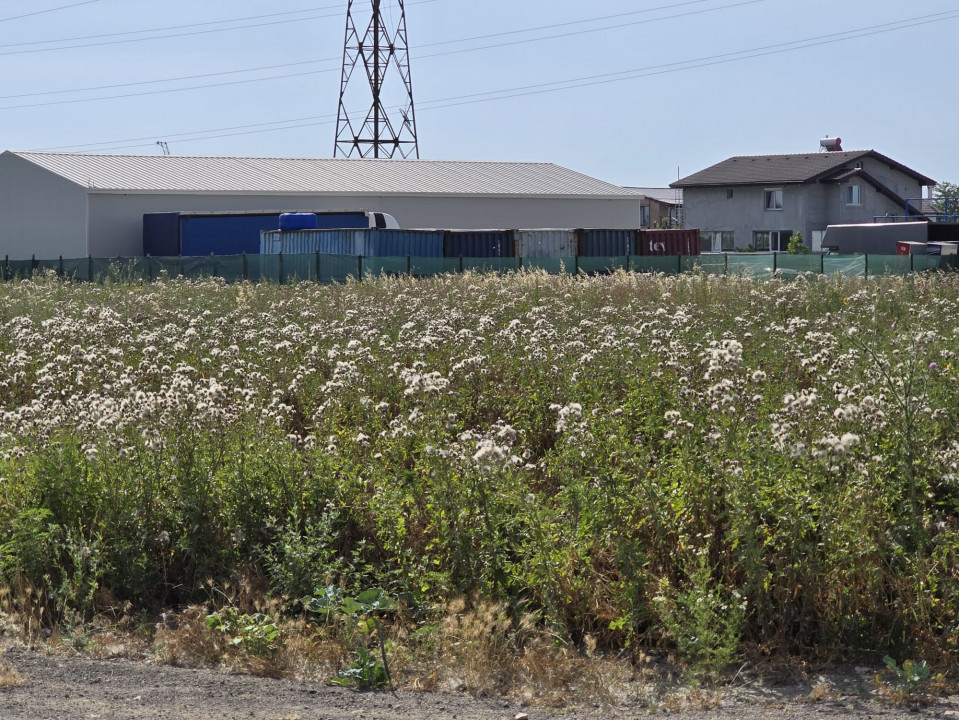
(167, 234)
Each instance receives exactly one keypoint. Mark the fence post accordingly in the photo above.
(726, 264)
(866, 269)
(775, 261)
(629, 262)
(6, 267)
(359, 267)
(912, 263)
(33, 264)
(246, 271)
(461, 264)
(576, 264)
(89, 268)
(679, 264)
(280, 270)
(409, 266)
(60, 270)
(520, 262)
(317, 268)
(822, 264)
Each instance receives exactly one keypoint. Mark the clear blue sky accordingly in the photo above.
(665, 86)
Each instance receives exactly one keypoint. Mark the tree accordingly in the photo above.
(796, 245)
(945, 198)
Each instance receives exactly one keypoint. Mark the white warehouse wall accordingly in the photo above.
(116, 219)
(41, 213)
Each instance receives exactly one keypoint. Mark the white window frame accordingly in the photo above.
(853, 194)
(773, 199)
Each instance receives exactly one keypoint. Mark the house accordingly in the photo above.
(660, 207)
(75, 205)
(758, 201)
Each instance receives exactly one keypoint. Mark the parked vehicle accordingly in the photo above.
(234, 233)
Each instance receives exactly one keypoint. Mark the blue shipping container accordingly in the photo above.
(373, 242)
(478, 243)
(606, 243)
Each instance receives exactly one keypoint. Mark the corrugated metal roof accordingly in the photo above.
(667, 196)
(178, 173)
(798, 168)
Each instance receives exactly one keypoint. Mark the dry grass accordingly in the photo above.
(9, 677)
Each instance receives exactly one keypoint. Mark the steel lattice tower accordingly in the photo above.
(379, 46)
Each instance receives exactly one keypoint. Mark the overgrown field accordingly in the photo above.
(713, 466)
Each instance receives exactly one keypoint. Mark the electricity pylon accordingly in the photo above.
(384, 90)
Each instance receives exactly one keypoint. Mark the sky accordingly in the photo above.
(634, 92)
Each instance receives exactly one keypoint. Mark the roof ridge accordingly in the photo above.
(280, 157)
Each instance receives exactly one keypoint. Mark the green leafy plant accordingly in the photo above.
(365, 612)
(704, 619)
(257, 633)
(796, 245)
(909, 676)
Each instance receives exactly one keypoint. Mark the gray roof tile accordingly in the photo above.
(784, 169)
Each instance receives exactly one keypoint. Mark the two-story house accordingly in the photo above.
(758, 201)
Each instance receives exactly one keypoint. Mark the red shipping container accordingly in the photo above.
(668, 242)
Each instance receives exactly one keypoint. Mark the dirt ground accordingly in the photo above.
(56, 687)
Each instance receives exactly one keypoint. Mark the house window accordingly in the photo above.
(717, 241)
(774, 240)
(853, 195)
(774, 199)
(644, 216)
(729, 193)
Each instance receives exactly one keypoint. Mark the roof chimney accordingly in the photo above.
(830, 144)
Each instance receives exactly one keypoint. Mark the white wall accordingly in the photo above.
(116, 220)
(40, 213)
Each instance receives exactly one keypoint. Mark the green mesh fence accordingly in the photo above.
(797, 264)
(889, 264)
(553, 266)
(486, 265)
(658, 264)
(848, 265)
(751, 266)
(603, 265)
(926, 262)
(319, 267)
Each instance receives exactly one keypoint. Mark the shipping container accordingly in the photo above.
(546, 243)
(904, 247)
(233, 233)
(369, 242)
(593, 242)
(667, 242)
(479, 243)
(944, 248)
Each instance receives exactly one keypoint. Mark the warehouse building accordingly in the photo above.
(74, 205)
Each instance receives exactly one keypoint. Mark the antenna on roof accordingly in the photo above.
(164, 147)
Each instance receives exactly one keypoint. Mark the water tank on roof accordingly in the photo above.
(831, 144)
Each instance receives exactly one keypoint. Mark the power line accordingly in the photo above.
(709, 60)
(620, 76)
(586, 31)
(166, 27)
(180, 34)
(279, 77)
(48, 10)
